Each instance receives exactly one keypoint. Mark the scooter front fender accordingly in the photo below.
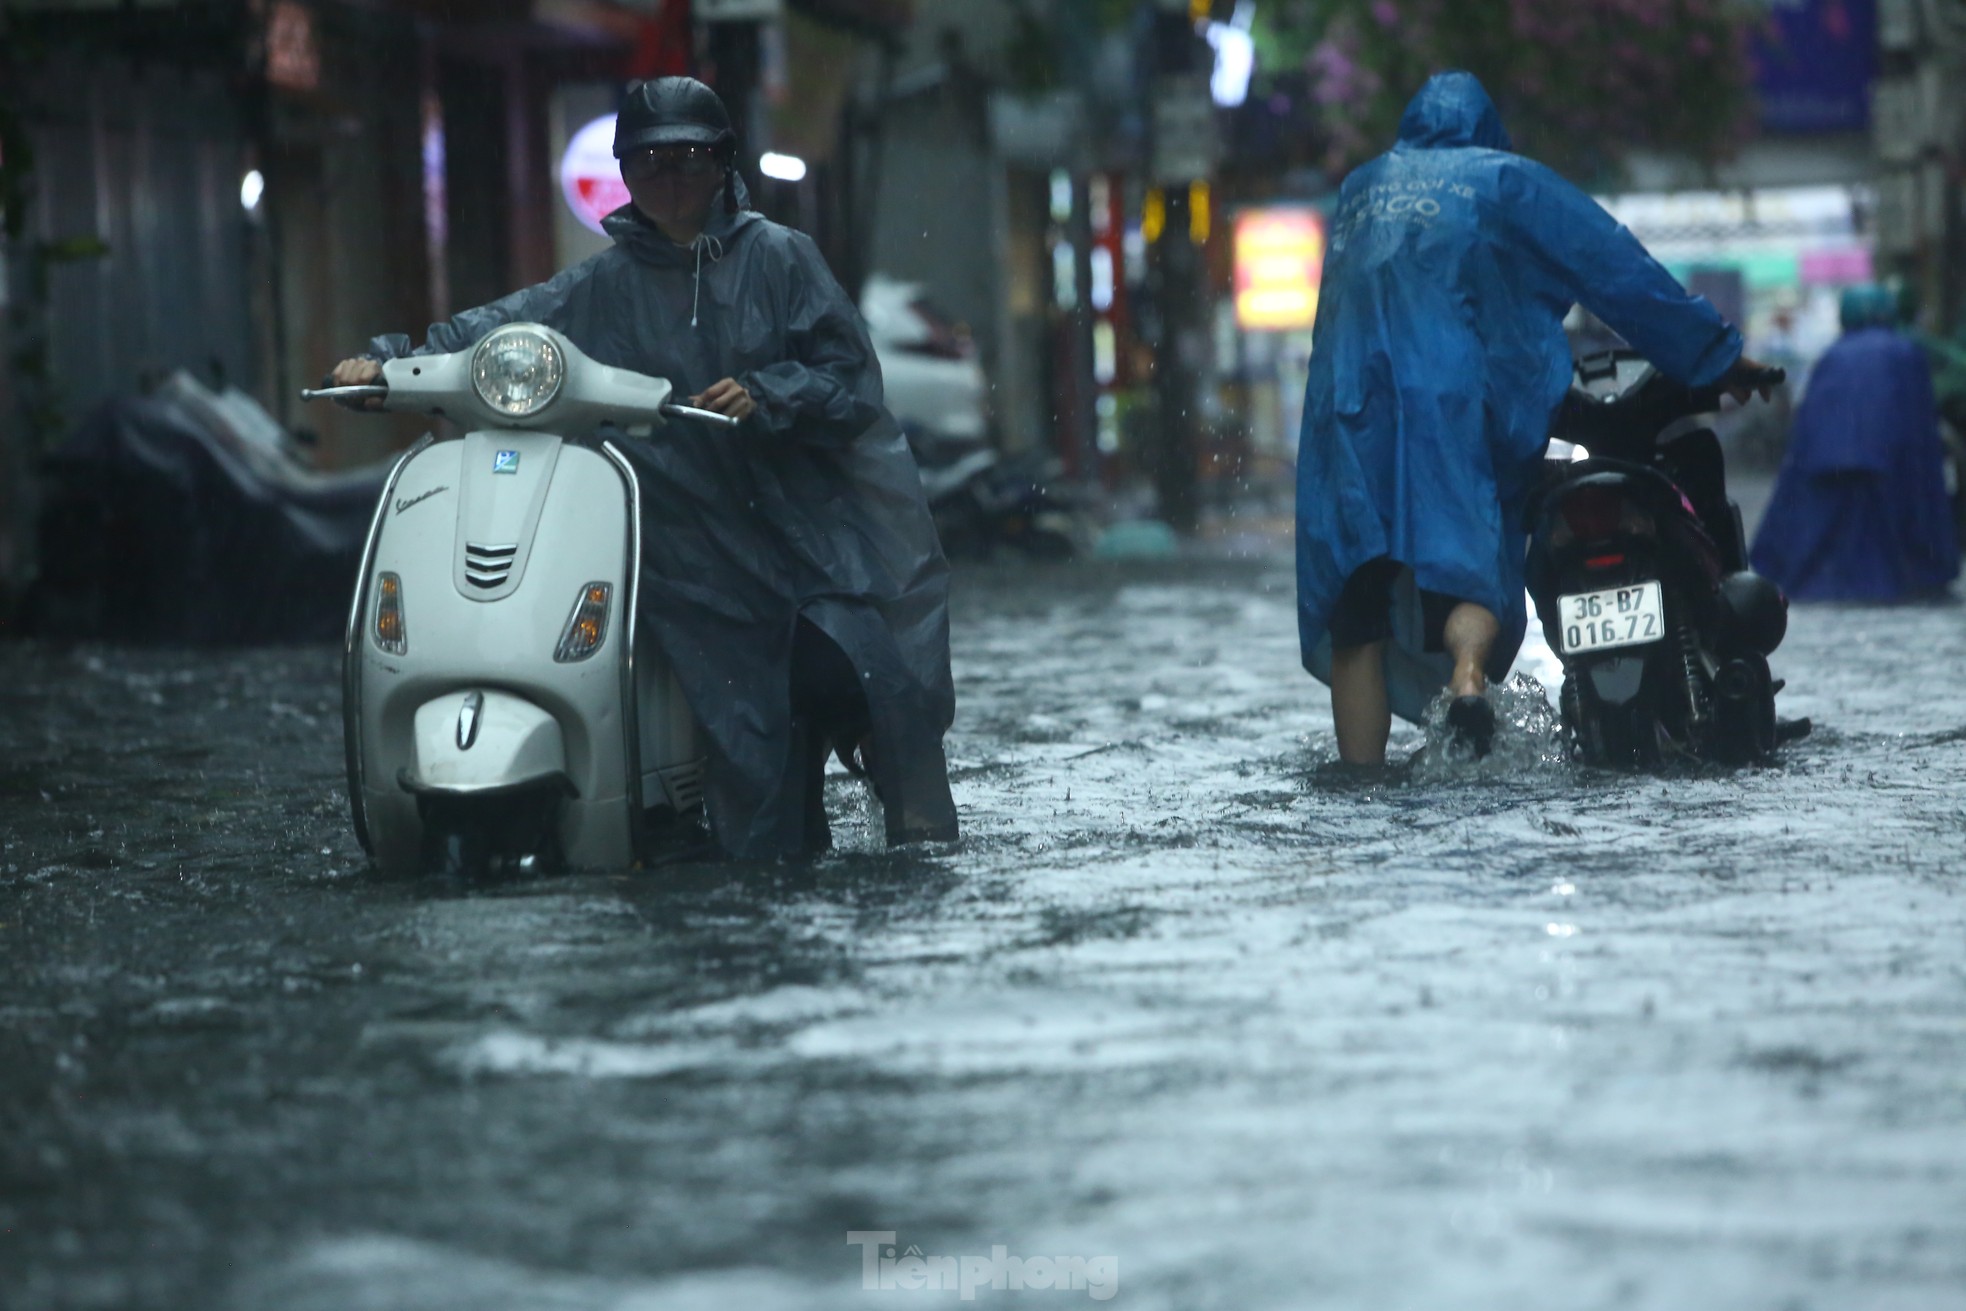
(482, 740)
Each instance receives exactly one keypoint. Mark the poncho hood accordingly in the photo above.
(1453, 109)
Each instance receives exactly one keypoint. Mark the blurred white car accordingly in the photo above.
(935, 384)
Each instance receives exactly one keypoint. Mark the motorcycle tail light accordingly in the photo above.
(1593, 513)
(588, 627)
(1604, 561)
(390, 634)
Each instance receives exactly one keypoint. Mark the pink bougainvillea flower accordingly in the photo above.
(1580, 81)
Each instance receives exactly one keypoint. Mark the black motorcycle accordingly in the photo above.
(1638, 567)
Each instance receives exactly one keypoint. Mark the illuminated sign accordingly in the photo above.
(1279, 267)
(590, 175)
(293, 56)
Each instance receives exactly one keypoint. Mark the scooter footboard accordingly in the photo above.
(672, 755)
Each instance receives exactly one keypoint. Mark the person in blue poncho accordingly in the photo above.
(1859, 511)
(1438, 359)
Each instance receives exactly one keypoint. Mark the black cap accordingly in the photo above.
(671, 111)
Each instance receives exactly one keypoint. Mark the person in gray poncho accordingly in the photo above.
(790, 568)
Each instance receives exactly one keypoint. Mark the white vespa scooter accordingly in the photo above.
(497, 709)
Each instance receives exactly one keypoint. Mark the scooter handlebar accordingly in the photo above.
(1708, 397)
(701, 416)
(1627, 425)
(363, 391)
(356, 392)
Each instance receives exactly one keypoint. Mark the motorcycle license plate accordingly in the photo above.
(1617, 616)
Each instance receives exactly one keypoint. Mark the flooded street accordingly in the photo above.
(1186, 1020)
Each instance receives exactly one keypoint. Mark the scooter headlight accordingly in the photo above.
(518, 370)
(588, 627)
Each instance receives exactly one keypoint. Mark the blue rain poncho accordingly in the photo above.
(1438, 358)
(1859, 511)
(813, 508)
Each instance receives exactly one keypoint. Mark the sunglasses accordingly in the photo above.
(685, 161)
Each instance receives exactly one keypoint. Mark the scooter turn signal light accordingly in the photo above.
(588, 626)
(390, 633)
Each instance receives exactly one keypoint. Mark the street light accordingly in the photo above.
(1235, 56)
(785, 168)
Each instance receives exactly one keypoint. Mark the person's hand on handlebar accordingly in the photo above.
(358, 372)
(727, 397)
(1748, 377)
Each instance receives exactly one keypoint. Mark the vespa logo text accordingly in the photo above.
(505, 462)
(402, 505)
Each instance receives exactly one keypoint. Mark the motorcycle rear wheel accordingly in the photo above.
(1614, 737)
(1744, 727)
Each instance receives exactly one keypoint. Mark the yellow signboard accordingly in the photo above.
(1279, 267)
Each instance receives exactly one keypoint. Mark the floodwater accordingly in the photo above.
(1188, 1019)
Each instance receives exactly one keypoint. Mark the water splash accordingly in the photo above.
(1529, 737)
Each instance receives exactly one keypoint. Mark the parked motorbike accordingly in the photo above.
(1638, 568)
(499, 712)
(985, 503)
(189, 515)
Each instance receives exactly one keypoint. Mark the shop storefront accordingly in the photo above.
(1774, 260)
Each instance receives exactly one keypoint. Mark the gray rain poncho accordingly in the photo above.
(812, 508)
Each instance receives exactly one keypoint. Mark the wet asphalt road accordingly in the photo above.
(1218, 1028)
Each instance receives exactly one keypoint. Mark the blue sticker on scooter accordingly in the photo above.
(505, 462)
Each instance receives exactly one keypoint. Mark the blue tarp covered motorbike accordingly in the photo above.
(1859, 511)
